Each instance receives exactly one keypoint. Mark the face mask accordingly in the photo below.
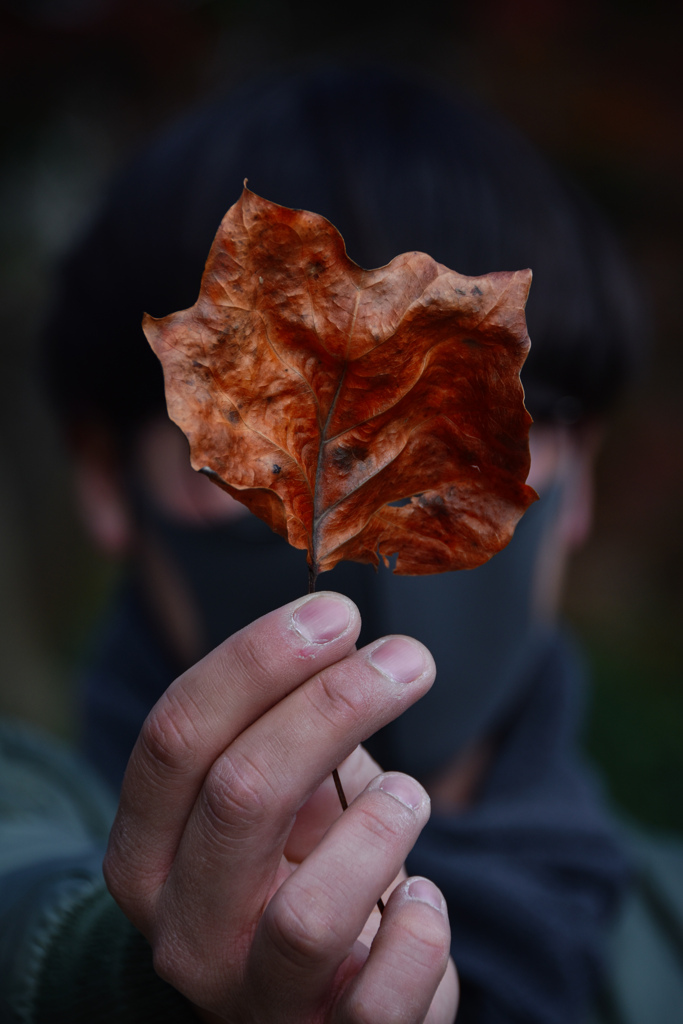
(234, 572)
(486, 636)
(480, 625)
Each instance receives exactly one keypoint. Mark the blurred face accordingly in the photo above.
(164, 465)
(162, 469)
(186, 573)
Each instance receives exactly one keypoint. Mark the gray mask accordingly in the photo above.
(479, 624)
(486, 636)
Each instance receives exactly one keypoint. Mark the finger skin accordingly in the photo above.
(312, 923)
(323, 808)
(193, 722)
(229, 772)
(408, 976)
(236, 834)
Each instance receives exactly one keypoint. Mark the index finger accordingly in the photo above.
(202, 712)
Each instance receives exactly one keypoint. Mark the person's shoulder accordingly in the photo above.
(42, 782)
(644, 978)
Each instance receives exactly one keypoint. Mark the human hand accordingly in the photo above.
(230, 855)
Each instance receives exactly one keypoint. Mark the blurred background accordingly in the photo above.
(596, 85)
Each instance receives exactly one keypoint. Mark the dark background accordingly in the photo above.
(596, 85)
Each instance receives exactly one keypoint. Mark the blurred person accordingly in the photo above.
(519, 842)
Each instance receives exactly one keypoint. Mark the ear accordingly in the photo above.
(567, 456)
(576, 514)
(100, 495)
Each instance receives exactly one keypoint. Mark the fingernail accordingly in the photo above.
(398, 658)
(403, 789)
(322, 618)
(426, 892)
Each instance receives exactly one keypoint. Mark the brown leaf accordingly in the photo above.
(321, 395)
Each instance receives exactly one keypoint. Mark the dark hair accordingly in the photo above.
(396, 166)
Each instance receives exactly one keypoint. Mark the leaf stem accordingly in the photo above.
(312, 579)
(340, 789)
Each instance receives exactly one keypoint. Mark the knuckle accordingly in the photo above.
(384, 823)
(237, 792)
(430, 945)
(300, 931)
(244, 658)
(166, 740)
(339, 698)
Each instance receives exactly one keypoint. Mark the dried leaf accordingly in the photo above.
(322, 395)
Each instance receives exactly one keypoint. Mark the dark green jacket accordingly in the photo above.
(68, 954)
